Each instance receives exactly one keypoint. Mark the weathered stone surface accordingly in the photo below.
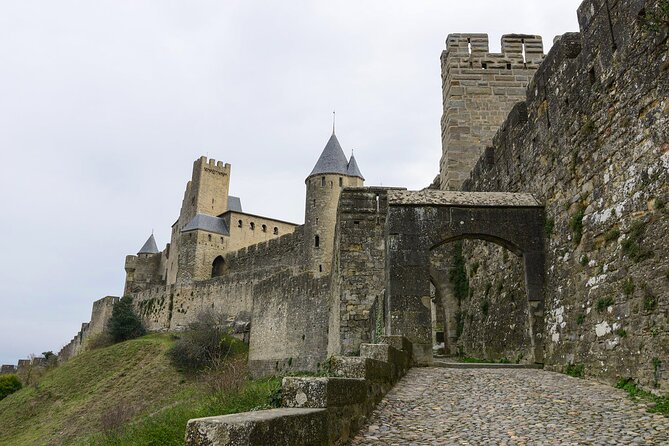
(495, 199)
(361, 368)
(315, 392)
(592, 143)
(276, 427)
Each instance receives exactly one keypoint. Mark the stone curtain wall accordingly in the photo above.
(173, 307)
(289, 324)
(100, 315)
(479, 88)
(358, 279)
(592, 141)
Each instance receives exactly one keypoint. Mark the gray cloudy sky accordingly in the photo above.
(104, 105)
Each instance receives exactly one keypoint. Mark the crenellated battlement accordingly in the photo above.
(473, 51)
(211, 163)
(479, 89)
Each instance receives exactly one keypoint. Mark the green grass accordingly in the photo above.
(575, 370)
(69, 404)
(168, 427)
(658, 404)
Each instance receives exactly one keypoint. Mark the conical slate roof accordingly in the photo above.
(149, 247)
(332, 160)
(352, 170)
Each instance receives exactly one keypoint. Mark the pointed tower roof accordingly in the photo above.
(352, 170)
(149, 247)
(332, 160)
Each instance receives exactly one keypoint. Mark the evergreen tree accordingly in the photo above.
(124, 323)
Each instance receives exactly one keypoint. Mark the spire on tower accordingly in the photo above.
(334, 116)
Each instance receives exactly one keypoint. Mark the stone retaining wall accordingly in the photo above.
(316, 410)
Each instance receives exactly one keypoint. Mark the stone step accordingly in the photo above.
(317, 392)
(482, 365)
(276, 427)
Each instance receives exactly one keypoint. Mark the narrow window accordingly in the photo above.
(222, 239)
(320, 268)
(317, 241)
(240, 224)
(209, 237)
(264, 228)
(331, 184)
(314, 202)
(323, 182)
(524, 53)
(252, 226)
(276, 230)
(341, 182)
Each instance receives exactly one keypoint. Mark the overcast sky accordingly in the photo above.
(104, 105)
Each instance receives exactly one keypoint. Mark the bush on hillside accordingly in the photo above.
(8, 385)
(124, 323)
(206, 344)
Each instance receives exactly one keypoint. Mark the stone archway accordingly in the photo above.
(417, 222)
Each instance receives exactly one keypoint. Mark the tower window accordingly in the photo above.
(314, 202)
(331, 184)
(252, 226)
(209, 237)
(276, 230)
(240, 224)
(264, 228)
(218, 267)
(317, 241)
(341, 181)
(322, 181)
(320, 268)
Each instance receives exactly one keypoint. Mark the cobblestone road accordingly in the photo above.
(433, 406)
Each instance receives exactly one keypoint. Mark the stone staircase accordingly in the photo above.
(316, 411)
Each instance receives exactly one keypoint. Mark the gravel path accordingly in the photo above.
(436, 406)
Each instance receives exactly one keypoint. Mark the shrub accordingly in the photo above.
(628, 287)
(549, 224)
(8, 385)
(124, 323)
(632, 245)
(205, 344)
(613, 234)
(604, 303)
(458, 275)
(576, 224)
(575, 370)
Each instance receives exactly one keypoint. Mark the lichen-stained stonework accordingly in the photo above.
(592, 143)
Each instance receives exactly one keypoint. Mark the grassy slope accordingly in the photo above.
(69, 401)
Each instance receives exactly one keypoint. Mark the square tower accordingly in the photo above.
(479, 90)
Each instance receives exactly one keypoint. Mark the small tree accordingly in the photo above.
(8, 385)
(124, 323)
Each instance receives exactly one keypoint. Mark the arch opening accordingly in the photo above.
(218, 267)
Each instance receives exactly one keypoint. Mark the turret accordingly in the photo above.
(330, 175)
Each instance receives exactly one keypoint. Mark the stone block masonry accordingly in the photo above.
(592, 142)
(315, 411)
(479, 89)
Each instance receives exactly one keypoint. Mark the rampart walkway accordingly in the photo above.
(437, 406)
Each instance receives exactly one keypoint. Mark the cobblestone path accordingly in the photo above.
(436, 406)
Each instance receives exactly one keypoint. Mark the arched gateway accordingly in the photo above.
(418, 222)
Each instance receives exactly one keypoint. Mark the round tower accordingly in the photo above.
(330, 175)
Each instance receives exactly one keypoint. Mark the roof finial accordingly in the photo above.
(333, 121)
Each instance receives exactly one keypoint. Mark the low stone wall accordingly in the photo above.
(316, 410)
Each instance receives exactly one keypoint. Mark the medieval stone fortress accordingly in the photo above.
(543, 242)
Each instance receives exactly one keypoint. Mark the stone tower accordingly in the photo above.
(479, 89)
(330, 175)
(206, 196)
